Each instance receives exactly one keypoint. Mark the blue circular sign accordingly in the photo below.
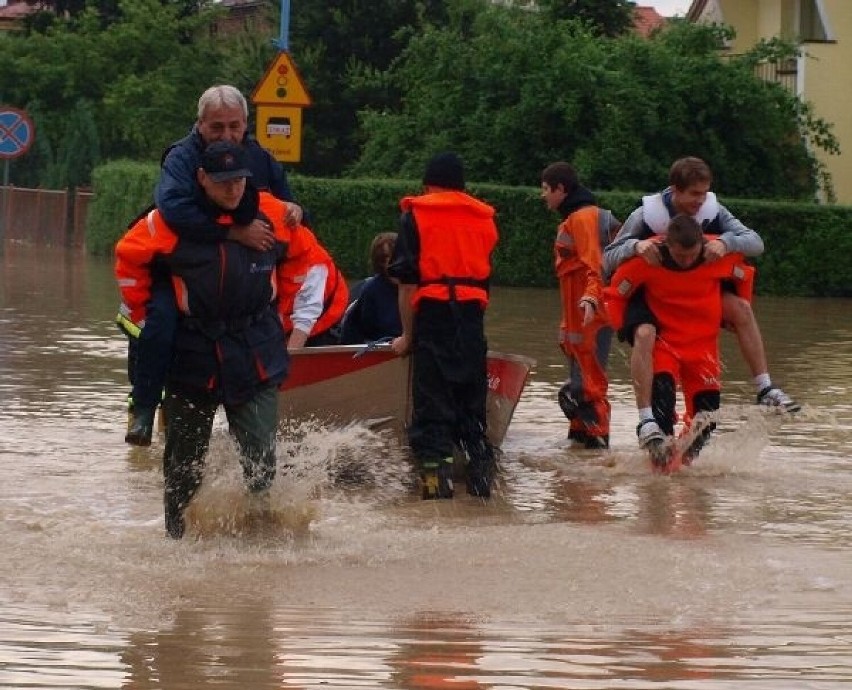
(16, 132)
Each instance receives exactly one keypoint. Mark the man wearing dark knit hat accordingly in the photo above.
(442, 262)
(444, 170)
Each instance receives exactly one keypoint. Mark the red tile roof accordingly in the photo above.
(646, 20)
(17, 9)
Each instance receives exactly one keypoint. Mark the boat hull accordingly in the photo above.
(346, 383)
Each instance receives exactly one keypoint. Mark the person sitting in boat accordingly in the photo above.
(315, 298)
(229, 346)
(684, 294)
(373, 311)
(222, 116)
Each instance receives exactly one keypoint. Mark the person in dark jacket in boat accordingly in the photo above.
(222, 116)
(688, 192)
(373, 311)
(442, 261)
(230, 345)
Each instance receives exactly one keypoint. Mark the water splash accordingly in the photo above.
(314, 463)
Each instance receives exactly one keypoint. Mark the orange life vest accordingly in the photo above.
(457, 236)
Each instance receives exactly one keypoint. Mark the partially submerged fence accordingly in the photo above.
(44, 216)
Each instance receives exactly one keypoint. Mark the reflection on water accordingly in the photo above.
(254, 644)
(585, 571)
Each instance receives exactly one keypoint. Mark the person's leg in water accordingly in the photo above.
(642, 374)
(471, 394)
(152, 354)
(701, 381)
(663, 397)
(434, 410)
(253, 424)
(187, 442)
(583, 398)
(738, 314)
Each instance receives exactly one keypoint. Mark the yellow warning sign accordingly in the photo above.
(279, 130)
(281, 85)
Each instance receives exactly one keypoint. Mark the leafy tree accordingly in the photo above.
(607, 17)
(125, 88)
(395, 80)
(514, 90)
(339, 46)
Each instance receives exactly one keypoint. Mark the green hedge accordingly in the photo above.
(123, 189)
(802, 241)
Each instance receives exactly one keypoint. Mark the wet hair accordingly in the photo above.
(688, 171)
(684, 231)
(381, 250)
(221, 96)
(560, 173)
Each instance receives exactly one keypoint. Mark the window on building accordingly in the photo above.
(813, 25)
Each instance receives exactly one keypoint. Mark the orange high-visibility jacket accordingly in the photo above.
(687, 304)
(578, 257)
(151, 238)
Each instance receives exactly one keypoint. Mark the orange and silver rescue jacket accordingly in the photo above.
(229, 338)
(457, 235)
(315, 295)
(578, 258)
(686, 303)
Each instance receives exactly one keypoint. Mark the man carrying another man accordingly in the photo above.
(685, 294)
(230, 345)
(688, 193)
(222, 116)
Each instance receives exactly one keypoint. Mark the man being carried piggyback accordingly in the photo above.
(688, 193)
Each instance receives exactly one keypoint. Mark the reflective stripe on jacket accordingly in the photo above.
(578, 256)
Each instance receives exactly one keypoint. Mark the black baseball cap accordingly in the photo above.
(223, 160)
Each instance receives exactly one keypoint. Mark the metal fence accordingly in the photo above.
(44, 216)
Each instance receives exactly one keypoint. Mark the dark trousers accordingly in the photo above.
(450, 385)
(253, 425)
(150, 355)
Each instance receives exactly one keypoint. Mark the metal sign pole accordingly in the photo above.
(5, 200)
(282, 42)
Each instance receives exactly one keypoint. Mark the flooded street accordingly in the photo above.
(584, 571)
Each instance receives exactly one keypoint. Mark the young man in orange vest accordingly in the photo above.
(686, 297)
(689, 192)
(442, 261)
(584, 332)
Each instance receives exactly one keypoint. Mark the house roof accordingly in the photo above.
(647, 20)
(12, 13)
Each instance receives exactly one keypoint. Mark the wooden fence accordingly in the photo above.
(44, 216)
